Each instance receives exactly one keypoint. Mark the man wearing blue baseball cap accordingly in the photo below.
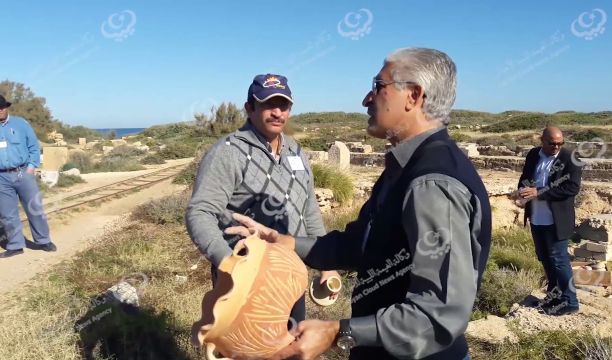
(258, 171)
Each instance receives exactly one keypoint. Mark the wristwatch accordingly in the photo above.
(344, 339)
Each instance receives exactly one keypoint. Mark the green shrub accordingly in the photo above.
(187, 175)
(500, 288)
(66, 180)
(114, 164)
(167, 210)
(546, 345)
(337, 219)
(125, 151)
(337, 181)
(314, 144)
(79, 160)
(515, 258)
(523, 121)
(69, 166)
(461, 137)
(584, 135)
(513, 249)
(153, 159)
(177, 151)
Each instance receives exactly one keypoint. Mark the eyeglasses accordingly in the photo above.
(559, 144)
(378, 84)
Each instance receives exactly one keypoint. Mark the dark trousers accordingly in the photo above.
(298, 313)
(552, 252)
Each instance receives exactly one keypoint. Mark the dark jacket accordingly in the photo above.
(561, 190)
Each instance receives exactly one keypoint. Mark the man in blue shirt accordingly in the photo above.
(19, 157)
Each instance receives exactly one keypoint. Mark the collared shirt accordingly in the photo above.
(413, 328)
(18, 144)
(266, 143)
(541, 213)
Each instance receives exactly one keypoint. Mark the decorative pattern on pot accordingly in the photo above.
(246, 314)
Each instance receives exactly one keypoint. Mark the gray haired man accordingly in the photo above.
(420, 243)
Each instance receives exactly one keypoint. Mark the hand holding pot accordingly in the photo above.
(250, 227)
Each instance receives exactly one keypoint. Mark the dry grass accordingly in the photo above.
(39, 322)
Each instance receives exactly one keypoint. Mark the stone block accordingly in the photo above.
(595, 247)
(469, 149)
(340, 156)
(54, 157)
(597, 228)
(583, 253)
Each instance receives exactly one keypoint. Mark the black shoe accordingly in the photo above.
(550, 298)
(46, 247)
(9, 253)
(563, 308)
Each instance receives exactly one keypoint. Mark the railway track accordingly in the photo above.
(108, 191)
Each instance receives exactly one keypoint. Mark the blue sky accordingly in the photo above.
(166, 59)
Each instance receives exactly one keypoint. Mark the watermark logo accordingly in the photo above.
(119, 26)
(590, 24)
(274, 208)
(201, 111)
(356, 25)
(596, 148)
(434, 244)
(138, 280)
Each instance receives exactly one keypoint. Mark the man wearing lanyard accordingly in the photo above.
(258, 171)
(549, 184)
(19, 156)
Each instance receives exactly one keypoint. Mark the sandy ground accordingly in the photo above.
(74, 231)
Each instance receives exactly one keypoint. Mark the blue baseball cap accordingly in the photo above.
(265, 87)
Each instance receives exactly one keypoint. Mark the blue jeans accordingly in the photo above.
(15, 186)
(552, 252)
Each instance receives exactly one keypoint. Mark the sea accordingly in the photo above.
(121, 131)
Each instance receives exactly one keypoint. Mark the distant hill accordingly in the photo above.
(505, 121)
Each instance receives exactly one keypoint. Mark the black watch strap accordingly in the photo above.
(345, 328)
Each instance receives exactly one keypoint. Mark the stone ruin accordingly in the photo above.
(339, 155)
(56, 138)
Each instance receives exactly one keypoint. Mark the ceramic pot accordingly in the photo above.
(246, 314)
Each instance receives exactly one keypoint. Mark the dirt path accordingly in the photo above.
(74, 231)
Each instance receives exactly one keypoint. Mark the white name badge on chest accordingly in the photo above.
(296, 163)
(3, 144)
